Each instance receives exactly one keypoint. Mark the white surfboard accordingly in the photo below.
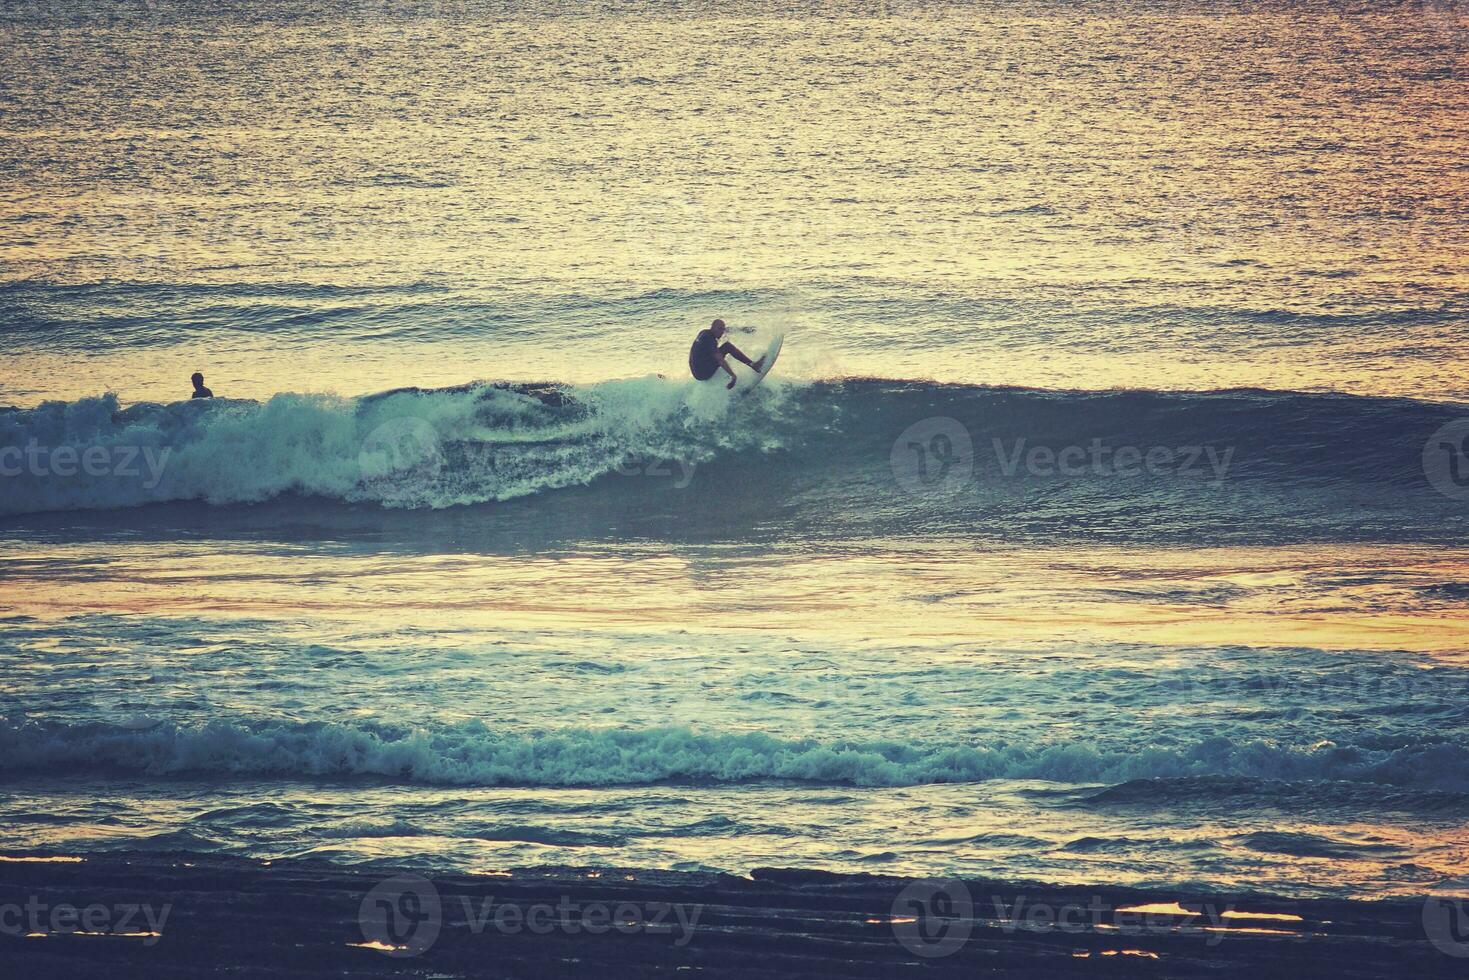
(768, 362)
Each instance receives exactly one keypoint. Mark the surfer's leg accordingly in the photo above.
(732, 351)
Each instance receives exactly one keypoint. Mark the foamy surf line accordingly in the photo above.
(471, 754)
(405, 448)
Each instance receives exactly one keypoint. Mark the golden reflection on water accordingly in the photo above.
(1374, 597)
(994, 195)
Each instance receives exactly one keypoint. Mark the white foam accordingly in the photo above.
(470, 754)
(405, 449)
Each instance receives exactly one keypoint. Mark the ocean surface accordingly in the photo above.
(1103, 521)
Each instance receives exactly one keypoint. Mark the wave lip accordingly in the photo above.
(471, 754)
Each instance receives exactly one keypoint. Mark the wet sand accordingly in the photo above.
(187, 916)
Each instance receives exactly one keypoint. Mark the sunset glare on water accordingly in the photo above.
(1102, 523)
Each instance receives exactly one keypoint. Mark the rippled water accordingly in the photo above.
(1150, 716)
(350, 197)
(845, 621)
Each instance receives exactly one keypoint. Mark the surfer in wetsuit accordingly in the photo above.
(708, 354)
(199, 390)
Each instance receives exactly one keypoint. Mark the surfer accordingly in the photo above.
(708, 354)
(199, 390)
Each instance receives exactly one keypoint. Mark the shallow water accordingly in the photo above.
(1288, 718)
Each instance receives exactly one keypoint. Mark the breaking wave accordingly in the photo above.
(1233, 462)
(470, 754)
(407, 448)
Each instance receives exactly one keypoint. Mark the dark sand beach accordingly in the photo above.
(223, 917)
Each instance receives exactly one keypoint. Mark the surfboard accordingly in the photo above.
(768, 362)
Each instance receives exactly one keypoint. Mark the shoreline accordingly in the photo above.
(188, 915)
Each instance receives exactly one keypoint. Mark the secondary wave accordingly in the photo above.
(470, 754)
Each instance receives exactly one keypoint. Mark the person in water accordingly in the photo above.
(708, 355)
(199, 390)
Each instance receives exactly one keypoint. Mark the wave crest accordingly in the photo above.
(470, 754)
(1237, 461)
(406, 448)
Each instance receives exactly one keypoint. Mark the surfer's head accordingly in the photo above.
(718, 327)
(198, 379)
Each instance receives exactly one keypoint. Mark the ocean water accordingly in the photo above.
(1104, 519)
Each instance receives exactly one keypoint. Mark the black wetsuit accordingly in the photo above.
(202, 392)
(704, 355)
